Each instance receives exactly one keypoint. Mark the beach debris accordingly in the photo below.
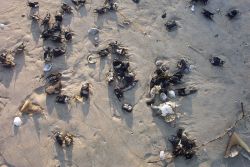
(46, 20)
(91, 59)
(53, 85)
(118, 93)
(163, 97)
(33, 4)
(127, 107)
(59, 51)
(192, 8)
(29, 107)
(231, 14)
(53, 88)
(35, 17)
(93, 31)
(164, 15)
(118, 49)
(47, 67)
(68, 34)
(7, 59)
(63, 138)
(59, 16)
(235, 140)
(182, 145)
(204, 2)
(186, 91)
(109, 6)
(136, 1)
(2, 25)
(20, 48)
(85, 90)
(184, 66)
(78, 3)
(171, 25)
(54, 77)
(216, 61)
(47, 56)
(209, 15)
(62, 99)
(65, 8)
(17, 121)
(164, 109)
(171, 94)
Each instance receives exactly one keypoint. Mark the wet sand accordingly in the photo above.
(107, 136)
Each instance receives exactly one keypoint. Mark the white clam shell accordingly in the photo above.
(171, 94)
(166, 109)
(17, 121)
(162, 155)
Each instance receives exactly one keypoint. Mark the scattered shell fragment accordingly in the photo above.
(171, 94)
(91, 59)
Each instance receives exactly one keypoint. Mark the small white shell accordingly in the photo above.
(171, 94)
(192, 8)
(162, 155)
(17, 121)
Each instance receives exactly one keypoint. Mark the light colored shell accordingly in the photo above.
(163, 97)
(17, 121)
(171, 94)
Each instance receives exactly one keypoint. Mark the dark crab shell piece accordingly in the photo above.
(171, 25)
(118, 93)
(232, 14)
(58, 52)
(62, 99)
(46, 19)
(216, 61)
(33, 4)
(84, 92)
(209, 15)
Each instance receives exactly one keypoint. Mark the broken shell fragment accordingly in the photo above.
(53, 88)
(232, 14)
(216, 61)
(91, 59)
(84, 93)
(17, 121)
(234, 141)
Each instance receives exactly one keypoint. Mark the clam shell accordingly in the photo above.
(17, 121)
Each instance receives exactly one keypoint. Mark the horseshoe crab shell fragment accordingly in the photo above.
(29, 107)
(234, 141)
